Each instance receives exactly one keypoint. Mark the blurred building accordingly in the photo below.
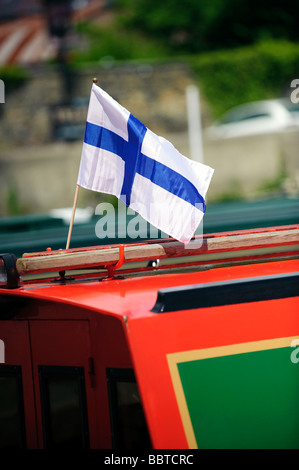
(43, 120)
(31, 30)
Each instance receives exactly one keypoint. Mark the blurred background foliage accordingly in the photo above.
(13, 76)
(194, 26)
(263, 70)
(239, 51)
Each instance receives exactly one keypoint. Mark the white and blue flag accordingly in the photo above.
(120, 156)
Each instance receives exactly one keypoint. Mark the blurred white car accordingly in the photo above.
(259, 117)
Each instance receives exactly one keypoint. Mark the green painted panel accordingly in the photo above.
(248, 400)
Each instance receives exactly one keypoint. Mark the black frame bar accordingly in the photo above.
(231, 292)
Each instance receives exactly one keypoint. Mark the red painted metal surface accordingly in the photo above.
(153, 339)
(68, 322)
(136, 296)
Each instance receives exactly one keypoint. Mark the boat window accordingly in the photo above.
(128, 425)
(64, 409)
(12, 424)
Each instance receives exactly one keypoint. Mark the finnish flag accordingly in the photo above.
(120, 156)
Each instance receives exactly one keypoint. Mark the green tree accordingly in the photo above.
(199, 25)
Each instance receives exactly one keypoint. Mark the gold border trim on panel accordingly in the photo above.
(174, 359)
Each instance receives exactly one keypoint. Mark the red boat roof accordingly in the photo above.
(165, 312)
(136, 297)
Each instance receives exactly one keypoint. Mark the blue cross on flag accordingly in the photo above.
(120, 156)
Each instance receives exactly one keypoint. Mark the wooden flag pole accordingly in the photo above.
(95, 80)
(72, 218)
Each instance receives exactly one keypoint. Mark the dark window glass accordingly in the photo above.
(255, 116)
(64, 408)
(12, 426)
(129, 429)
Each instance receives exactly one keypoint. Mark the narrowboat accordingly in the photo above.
(153, 345)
